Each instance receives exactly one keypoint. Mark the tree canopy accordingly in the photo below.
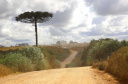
(31, 17)
(34, 17)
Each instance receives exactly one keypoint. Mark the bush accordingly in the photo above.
(2, 60)
(91, 55)
(30, 58)
(100, 50)
(36, 56)
(41, 65)
(33, 53)
(57, 63)
(18, 62)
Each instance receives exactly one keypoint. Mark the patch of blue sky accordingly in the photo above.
(45, 30)
(91, 8)
(24, 10)
(39, 26)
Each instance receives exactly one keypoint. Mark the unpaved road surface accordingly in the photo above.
(69, 59)
(82, 75)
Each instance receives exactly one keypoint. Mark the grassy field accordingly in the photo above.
(73, 45)
(10, 48)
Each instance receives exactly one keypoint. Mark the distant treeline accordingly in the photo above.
(8, 51)
(20, 44)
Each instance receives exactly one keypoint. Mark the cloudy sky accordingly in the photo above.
(77, 20)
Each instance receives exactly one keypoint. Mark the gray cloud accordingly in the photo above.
(18, 40)
(58, 31)
(109, 7)
(96, 31)
(98, 20)
(117, 34)
(117, 21)
(7, 9)
(61, 19)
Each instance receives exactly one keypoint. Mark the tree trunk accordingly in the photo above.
(36, 35)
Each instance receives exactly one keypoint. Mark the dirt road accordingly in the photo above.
(69, 59)
(83, 75)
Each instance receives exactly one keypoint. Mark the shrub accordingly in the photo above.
(36, 56)
(18, 62)
(33, 53)
(30, 58)
(91, 55)
(57, 63)
(99, 50)
(42, 64)
(124, 43)
(2, 60)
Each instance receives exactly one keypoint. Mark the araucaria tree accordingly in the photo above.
(34, 17)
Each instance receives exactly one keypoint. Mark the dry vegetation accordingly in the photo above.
(61, 53)
(4, 70)
(75, 45)
(118, 64)
(108, 55)
(10, 48)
